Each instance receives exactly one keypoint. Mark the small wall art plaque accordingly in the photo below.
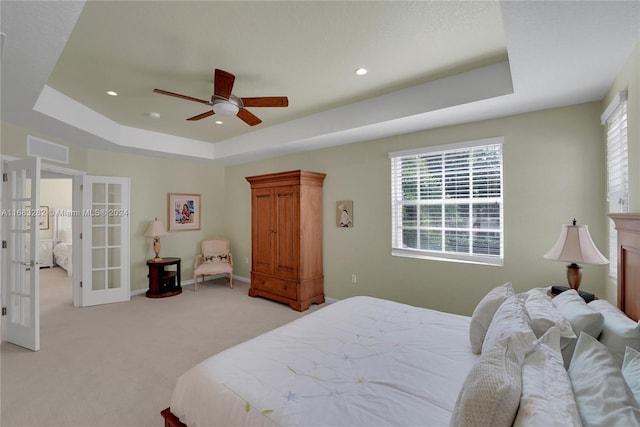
(344, 213)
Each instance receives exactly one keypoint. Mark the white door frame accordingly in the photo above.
(75, 175)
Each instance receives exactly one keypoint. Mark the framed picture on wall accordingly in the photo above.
(344, 213)
(41, 215)
(183, 212)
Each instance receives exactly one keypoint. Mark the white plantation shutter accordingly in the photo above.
(447, 202)
(615, 117)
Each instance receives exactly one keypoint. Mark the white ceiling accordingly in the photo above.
(431, 64)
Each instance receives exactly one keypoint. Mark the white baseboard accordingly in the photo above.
(190, 282)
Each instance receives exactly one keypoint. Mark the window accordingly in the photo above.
(615, 117)
(447, 202)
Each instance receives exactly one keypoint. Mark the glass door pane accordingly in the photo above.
(105, 207)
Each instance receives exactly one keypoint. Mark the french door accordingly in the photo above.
(101, 259)
(21, 216)
(105, 240)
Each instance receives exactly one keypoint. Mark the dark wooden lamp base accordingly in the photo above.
(574, 275)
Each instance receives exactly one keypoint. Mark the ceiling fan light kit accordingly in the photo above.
(225, 108)
(224, 103)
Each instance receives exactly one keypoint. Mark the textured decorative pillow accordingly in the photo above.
(618, 331)
(483, 314)
(219, 257)
(491, 392)
(602, 395)
(631, 371)
(544, 315)
(582, 318)
(547, 397)
(510, 317)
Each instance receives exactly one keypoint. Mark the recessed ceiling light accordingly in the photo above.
(361, 71)
(154, 115)
(218, 122)
(112, 93)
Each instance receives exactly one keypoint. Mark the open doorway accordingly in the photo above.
(56, 255)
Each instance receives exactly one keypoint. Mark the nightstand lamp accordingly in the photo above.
(575, 245)
(155, 230)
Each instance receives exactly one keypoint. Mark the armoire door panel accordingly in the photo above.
(286, 262)
(263, 231)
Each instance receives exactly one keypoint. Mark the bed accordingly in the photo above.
(521, 359)
(62, 243)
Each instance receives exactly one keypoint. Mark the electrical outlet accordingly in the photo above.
(354, 279)
(246, 260)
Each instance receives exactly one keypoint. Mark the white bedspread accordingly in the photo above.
(361, 361)
(62, 253)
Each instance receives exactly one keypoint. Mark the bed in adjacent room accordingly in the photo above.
(62, 242)
(521, 359)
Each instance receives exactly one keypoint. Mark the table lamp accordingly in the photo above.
(155, 230)
(575, 245)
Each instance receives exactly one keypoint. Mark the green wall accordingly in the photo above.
(553, 171)
(14, 143)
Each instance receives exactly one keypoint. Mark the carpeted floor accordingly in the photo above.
(116, 364)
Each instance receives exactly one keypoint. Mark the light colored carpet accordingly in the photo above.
(116, 364)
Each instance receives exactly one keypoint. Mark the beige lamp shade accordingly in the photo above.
(575, 245)
(155, 229)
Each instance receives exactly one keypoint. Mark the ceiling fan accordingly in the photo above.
(223, 102)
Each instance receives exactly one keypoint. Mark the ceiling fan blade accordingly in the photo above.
(177, 95)
(266, 101)
(248, 117)
(202, 116)
(223, 83)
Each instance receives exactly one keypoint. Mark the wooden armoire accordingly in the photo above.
(286, 238)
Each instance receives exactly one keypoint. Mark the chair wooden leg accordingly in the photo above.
(195, 283)
(231, 280)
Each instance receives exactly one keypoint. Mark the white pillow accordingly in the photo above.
(483, 314)
(602, 395)
(491, 392)
(544, 315)
(510, 317)
(582, 318)
(631, 371)
(547, 397)
(618, 331)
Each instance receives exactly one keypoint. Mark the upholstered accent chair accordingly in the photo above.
(215, 258)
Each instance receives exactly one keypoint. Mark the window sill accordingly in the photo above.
(448, 257)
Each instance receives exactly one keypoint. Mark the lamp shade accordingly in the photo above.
(576, 246)
(155, 229)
